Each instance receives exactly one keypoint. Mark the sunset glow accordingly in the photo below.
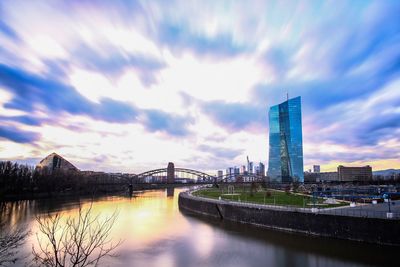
(129, 86)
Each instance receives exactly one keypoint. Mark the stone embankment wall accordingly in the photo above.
(371, 230)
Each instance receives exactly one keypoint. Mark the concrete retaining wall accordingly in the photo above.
(371, 230)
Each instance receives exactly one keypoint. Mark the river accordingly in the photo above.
(156, 233)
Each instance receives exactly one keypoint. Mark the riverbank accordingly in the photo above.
(299, 220)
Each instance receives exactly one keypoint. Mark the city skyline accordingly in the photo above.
(126, 87)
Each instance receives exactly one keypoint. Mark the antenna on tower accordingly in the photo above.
(287, 95)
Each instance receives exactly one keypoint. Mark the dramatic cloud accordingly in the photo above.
(18, 135)
(236, 116)
(178, 39)
(220, 152)
(133, 85)
(113, 61)
(6, 30)
(24, 119)
(160, 121)
(30, 90)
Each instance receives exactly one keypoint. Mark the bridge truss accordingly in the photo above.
(159, 176)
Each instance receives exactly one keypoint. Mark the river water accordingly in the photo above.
(156, 233)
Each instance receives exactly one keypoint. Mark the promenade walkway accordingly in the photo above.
(379, 210)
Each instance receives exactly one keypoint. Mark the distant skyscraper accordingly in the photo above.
(242, 169)
(257, 170)
(316, 168)
(286, 142)
(250, 167)
(230, 173)
(237, 171)
(261, 168)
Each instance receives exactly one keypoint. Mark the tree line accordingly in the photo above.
(25, 180)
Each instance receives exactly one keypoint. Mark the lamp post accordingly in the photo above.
(389, 215)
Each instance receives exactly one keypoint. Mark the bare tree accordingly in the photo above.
(80, 241)
(11, 238)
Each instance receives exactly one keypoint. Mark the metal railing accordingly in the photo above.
(360, 212)
(357, 211)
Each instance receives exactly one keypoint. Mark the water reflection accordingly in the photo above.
(156, 233)
(170, 192)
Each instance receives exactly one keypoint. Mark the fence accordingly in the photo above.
(358, 211)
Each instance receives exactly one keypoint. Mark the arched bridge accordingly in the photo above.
(176, 170)
(182, 175)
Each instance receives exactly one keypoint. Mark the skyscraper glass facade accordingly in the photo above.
(286, 142)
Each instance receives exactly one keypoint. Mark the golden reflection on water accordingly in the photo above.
(203, 240)
(141, 220)
(155, 233)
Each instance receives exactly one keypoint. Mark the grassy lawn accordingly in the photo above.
(262, 197)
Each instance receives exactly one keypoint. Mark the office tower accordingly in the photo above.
(230, 173)
(243, 169)
(261, 168)
(316, 168)
(286, 142)
(257, 170)
(250, 167)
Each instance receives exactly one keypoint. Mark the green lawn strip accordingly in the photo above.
(261, 197)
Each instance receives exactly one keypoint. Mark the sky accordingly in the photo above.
(127, 86)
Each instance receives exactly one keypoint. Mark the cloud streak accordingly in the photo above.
(188, 70)
(30, 90)
(17, 135)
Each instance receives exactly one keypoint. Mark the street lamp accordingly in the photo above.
(387, 196)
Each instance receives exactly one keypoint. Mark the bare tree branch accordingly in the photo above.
(80, 241)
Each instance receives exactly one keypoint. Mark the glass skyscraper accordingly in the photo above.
(286, 142)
